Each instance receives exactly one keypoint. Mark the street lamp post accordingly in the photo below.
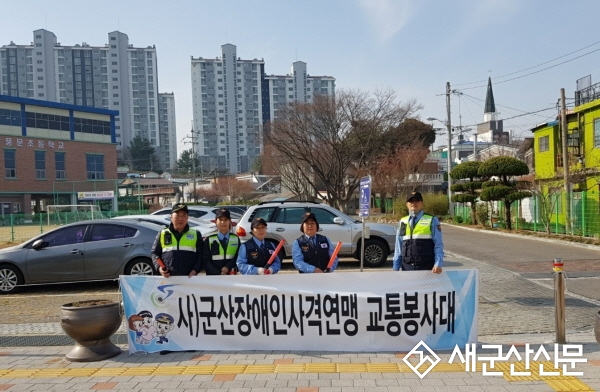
(448, 160)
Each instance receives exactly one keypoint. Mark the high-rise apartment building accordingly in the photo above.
(115, 76)
(167, 151)
(297, 86)
(234, 98)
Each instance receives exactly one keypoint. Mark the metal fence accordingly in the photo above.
(19, 227)
(544, 214)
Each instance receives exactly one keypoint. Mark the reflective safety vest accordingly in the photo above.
(233, 245)
(417, 242)
(180, 256)
(187, 242)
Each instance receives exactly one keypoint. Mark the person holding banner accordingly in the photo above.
(419, 244)
(312, 252)
(258, 256)
(221, 249)
(178, 249)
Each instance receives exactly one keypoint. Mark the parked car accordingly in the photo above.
(238, 209)
(200, 212)
(283, 222)
(101, 249)
(203, 226)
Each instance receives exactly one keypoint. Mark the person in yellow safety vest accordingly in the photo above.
(221, 249)
(419, 244)
(178, 249)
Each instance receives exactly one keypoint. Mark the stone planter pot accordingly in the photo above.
(597, 327)
(91, 324)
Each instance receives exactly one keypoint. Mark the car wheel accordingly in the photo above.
(140, 267)
(375, 253)
(10, 279)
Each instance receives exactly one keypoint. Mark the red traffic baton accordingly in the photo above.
(333, 256)
(161, 263)
(275, 253)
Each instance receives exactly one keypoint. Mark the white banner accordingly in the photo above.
(95, 195)
(368, 311)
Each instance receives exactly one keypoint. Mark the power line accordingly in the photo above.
(471, 98)
(533, 73)
(507, 107)
(536, 66)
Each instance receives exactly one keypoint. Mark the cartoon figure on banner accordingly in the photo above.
(148, 329)
(135, 324)
(164, 324)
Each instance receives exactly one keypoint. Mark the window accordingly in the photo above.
(111, 232)
(10, 168)
(324, 217)
(95, 166)
(40, 165)
(59, 159)
(66, 236)
(545, 143)
(596, 132)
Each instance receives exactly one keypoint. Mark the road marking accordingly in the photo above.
(546, 283)
(536, 281)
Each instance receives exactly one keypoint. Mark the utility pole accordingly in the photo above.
(449, 129)
(565, 142)
(193, 138)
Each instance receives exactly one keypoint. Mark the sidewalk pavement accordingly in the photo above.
(29, 368)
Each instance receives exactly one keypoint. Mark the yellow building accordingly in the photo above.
(583, 157)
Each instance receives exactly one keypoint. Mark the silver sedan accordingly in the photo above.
(99, 249)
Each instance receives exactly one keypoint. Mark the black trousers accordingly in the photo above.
(418, 267)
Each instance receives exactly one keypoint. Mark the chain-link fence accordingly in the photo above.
(17, 228)
(543, 214)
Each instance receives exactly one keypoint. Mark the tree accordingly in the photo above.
(211, 194)
(401, 172)
(234, 190)
(548, 194)
(186, 162)
(504, 187)
(141, 154)
(332, 142)
(469, 187)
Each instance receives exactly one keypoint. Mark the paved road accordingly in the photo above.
(516, 292)
(530, 257)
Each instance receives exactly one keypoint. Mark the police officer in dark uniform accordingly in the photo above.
(179, 248)
(419, 244)
(311, 252)
(255, 253)
(221, 249)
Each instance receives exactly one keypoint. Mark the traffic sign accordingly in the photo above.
(365, 197)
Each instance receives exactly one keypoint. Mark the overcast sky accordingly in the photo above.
(413, 47)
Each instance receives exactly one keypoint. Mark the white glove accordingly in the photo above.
(260, 271)
(270, 270)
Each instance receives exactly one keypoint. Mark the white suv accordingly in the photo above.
(283, 222)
